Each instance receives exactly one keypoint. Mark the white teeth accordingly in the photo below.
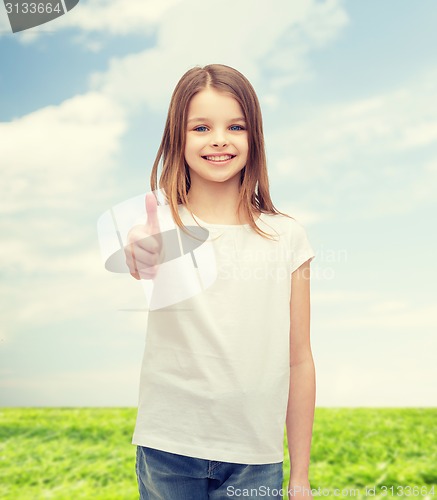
(219, 158)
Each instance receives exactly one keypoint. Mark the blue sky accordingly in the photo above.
(347, 91)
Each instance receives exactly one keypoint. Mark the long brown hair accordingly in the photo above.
(175, 177)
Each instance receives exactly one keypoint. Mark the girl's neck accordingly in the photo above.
(219, 207)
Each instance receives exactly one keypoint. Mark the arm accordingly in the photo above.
(301, 400)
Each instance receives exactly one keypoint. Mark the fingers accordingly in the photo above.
(144, 251)
(134, 273)
(154, 244)
(140, 271)
(152, 224)
(142, 257)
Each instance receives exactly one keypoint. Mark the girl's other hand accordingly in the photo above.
(144, 248)
(299, 490)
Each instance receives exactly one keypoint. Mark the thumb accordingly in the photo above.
(152, 223)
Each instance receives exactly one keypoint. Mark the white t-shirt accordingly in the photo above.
(215, 374)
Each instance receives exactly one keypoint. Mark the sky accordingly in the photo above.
(347, 91)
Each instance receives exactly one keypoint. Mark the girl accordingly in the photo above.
(225, 370)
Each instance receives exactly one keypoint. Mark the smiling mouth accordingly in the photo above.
(219, 159)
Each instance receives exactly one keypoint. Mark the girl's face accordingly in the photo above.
(216, 145)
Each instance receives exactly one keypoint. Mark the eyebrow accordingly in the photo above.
(202, 119)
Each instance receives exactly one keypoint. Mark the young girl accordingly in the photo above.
(226, 369)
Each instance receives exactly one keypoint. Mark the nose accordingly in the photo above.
(219, 139)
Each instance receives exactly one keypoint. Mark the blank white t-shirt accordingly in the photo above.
(215, 374)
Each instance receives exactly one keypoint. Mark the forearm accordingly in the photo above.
(300, 416)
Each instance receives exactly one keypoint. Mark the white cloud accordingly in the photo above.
(371, 350)
(407, 196)
(392, 122)
(5, 27)
(368, 309)
(117, 386)
(359, 148)
(54, 163)
(117, 17)
(52, 154)
(302, 215)
(369, 381)
(76, 287)
(340, 296)
(253, 40)
(382, 319)
(288, 30)
(107, 17)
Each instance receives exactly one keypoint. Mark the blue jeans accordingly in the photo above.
(167, 476)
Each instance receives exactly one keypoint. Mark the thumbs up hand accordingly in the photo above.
(144, 250)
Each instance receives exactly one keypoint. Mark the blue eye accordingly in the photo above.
(239, 126)
(197, 128)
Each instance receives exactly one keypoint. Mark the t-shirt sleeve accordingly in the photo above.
(301, 249)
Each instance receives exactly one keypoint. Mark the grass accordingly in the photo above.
(86, 453)
(385, 449)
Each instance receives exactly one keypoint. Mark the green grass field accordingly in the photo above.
(78, 453)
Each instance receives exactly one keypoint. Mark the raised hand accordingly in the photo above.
(144, 251)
